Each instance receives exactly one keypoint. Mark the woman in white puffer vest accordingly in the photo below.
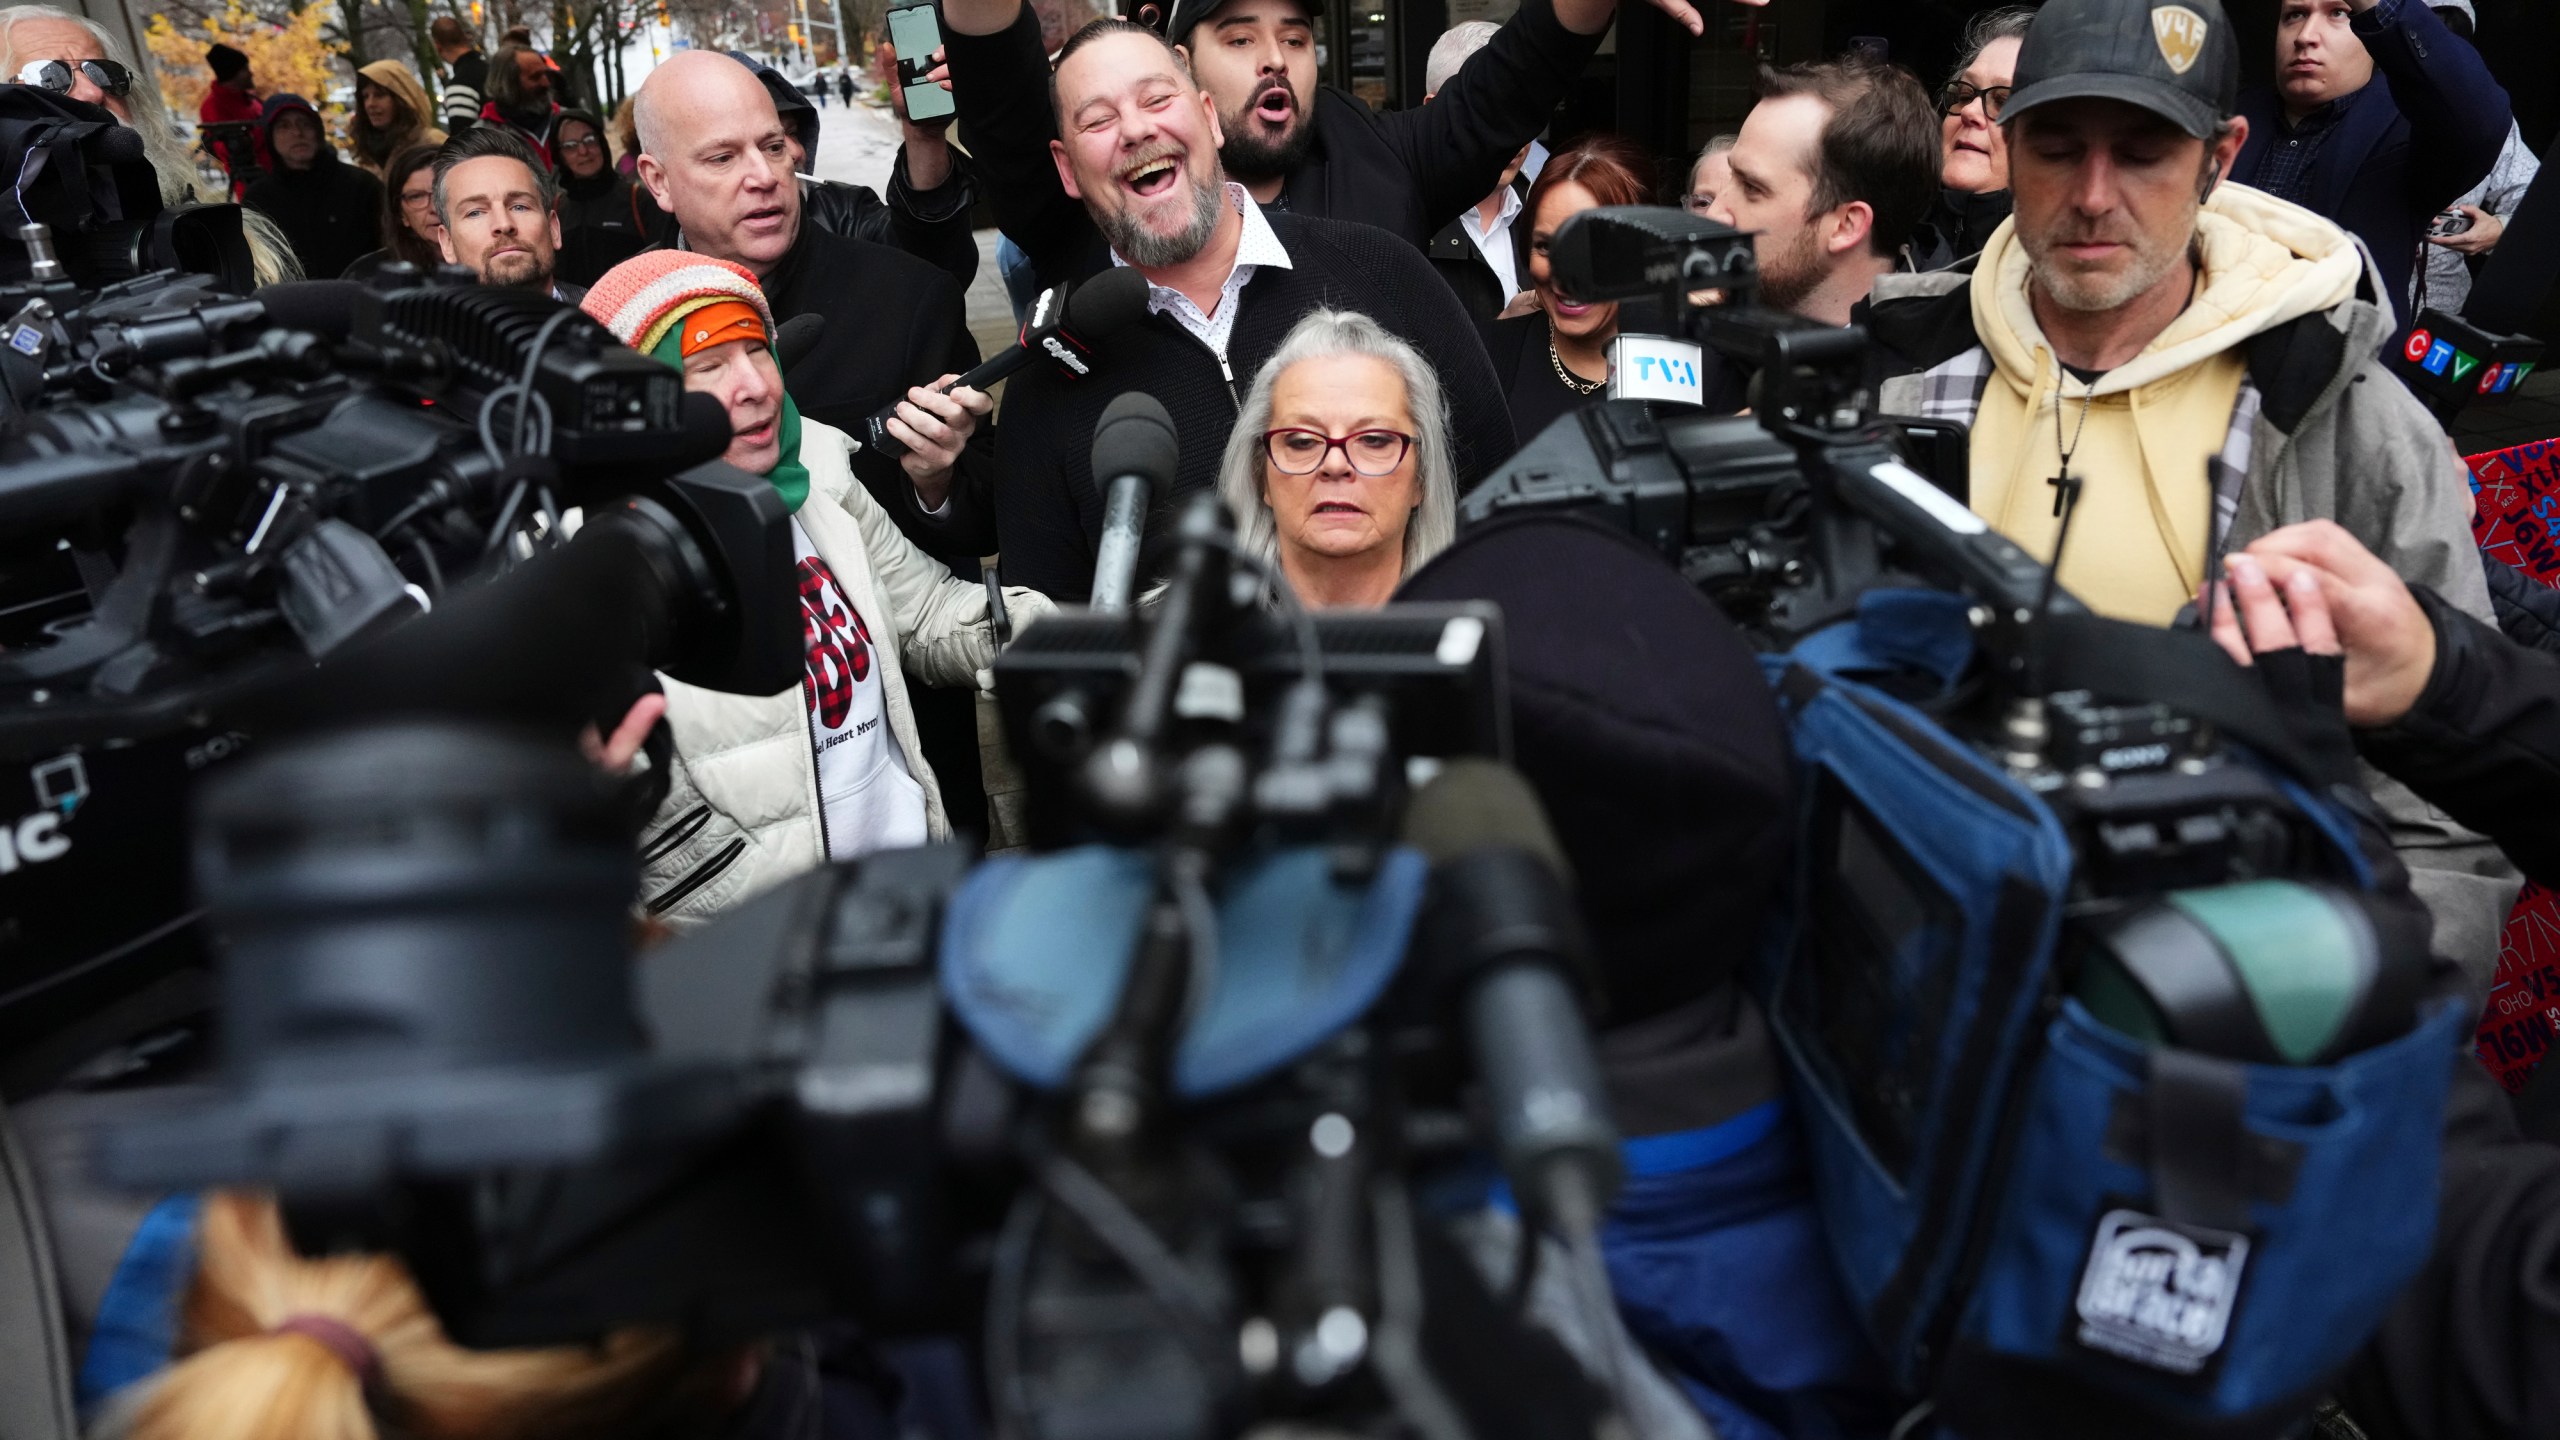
(766, 787)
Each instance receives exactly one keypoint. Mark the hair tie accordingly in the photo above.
(340, 1339)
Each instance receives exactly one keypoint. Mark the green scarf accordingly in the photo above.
(790, 478)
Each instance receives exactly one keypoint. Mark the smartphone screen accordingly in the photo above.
(917, 34)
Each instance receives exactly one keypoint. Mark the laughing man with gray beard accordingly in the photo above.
(1227, 279)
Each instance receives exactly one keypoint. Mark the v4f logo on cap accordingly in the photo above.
(2180, 33)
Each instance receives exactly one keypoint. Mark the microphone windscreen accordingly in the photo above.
(798, 336)
(121, 146)
(1109, 302)
(1478, 804)
(326, 308)
(1135, 437)
(706, 429)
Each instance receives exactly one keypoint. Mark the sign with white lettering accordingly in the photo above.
(1651, 367)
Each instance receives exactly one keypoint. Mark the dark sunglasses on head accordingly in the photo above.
(60, 75)
(1958, 95)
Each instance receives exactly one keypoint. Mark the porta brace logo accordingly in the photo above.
(2157, 1293)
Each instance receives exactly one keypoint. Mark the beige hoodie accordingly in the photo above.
(2144, 522)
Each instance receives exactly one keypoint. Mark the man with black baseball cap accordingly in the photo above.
(2180, 364)
(1293, 144)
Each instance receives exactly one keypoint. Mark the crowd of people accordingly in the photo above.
(2158, 302)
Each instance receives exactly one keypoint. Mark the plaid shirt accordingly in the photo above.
(1953, 391)
(2287, 172)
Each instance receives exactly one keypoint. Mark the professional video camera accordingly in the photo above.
(80, 175)
(1792, 516)
(201, 494)
(1157, 1110)
(1783, 517)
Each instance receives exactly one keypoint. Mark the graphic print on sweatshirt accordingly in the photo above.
(867, 800)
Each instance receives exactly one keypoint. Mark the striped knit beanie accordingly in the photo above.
(643, 298)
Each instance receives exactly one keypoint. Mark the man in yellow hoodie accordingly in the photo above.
(2182, 364)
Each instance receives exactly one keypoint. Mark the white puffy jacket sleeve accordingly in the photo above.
(945, 633)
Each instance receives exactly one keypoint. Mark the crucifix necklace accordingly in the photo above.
(2065, 484)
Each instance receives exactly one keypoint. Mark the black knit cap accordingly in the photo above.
(1641, 717)
(224, 61)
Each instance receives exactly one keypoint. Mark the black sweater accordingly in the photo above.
(892, 321)
(1048, 511)
(1530, 386)
(1404, 171)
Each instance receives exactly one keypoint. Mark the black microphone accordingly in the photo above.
(1133, 457)
(1504, 945)
(1064, 324)
(1506, 948)
(798, 336)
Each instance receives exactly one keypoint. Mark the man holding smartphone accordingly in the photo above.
(1293, 145)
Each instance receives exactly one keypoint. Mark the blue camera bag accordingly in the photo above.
(1990, 1159)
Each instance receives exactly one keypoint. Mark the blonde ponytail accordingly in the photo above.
(279, 1347)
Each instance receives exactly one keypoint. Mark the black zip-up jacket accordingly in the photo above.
(1048, 510)
(605, 219)
(932, 225)
(1404, 171)
(2528, 610)
(2483, 742)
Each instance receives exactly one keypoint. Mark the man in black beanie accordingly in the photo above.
(1642, 719)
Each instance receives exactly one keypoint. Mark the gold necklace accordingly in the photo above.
(1572, 382)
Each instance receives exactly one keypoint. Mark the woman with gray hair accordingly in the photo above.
(1338, 468)
(1973, 177)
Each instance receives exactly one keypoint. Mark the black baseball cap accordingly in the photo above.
(1184, 14)
(2175, 58)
